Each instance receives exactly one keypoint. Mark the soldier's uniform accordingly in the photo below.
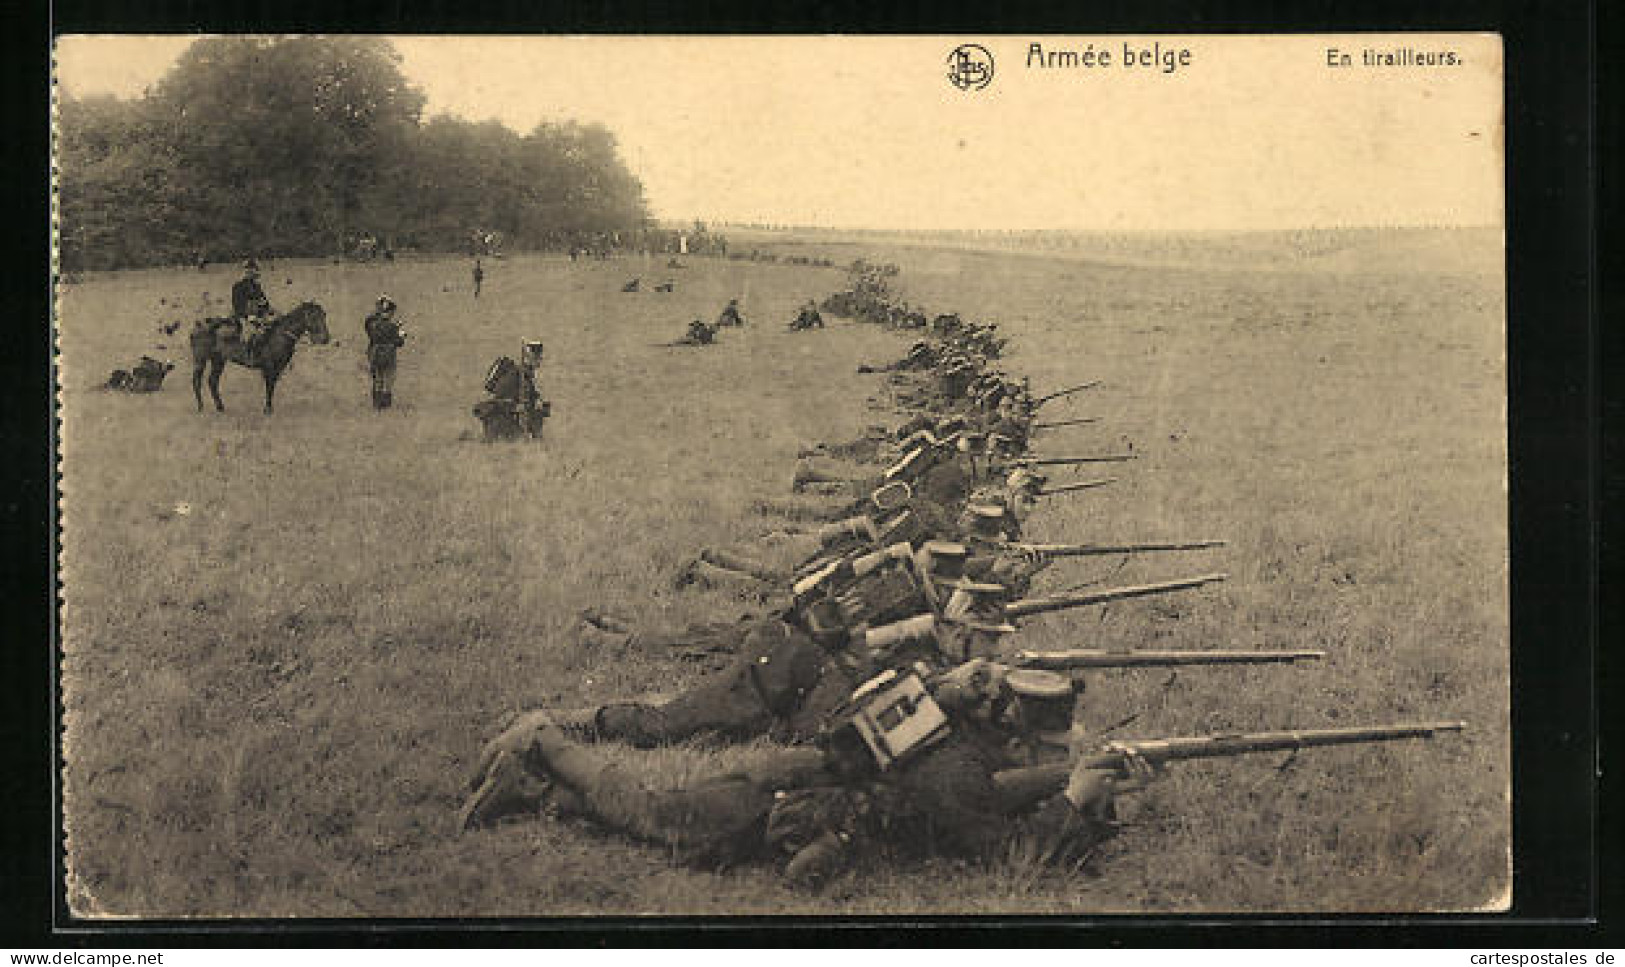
(249, 307)
(778, 667)
(384, 338)
(807, 806)
(148, 375)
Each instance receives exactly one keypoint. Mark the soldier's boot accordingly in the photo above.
(506, 788)
(700, 573)
(604, 788)
(814, 864)
(581, 723)
(385, 400)
(807, 475)
(741, 564)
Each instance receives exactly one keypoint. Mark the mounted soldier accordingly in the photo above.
(250, 305)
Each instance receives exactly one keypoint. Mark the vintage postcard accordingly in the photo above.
(615, 475)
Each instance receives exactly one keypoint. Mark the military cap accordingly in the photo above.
(1044, 701)
(972, 442)
(1039, 683)
(985, 520)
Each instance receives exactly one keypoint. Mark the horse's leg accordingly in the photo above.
(271, 376)
(217, 365)
(198, 365)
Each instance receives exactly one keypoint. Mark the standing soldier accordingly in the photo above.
(533, 410)
(384, 337)
(479, 276)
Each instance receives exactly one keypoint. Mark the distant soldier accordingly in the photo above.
(808, 318)
(147, 376)
(699, 334)
(250, 305)
(384, 337)
(516, 407)
(479, 277)
(632, 286)
(730, 315)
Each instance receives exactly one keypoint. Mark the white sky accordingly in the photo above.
(867, 132)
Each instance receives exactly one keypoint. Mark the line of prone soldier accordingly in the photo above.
(885, 663)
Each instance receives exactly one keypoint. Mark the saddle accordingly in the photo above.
(226, 334)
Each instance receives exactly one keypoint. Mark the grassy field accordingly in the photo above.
(286, 637)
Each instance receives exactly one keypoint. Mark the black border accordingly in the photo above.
(1556, 442)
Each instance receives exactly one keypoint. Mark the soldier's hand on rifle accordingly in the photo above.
(1138, 771)
(1034, 559)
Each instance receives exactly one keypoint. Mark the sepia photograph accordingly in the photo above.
(521, 476)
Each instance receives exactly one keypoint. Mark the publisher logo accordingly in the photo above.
(970, 67)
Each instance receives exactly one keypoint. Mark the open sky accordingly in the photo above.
(1251, 133)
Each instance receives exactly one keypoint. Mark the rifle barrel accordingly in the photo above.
(1033, 782)
(1087, 550)
(1066, 392)
(1070, 658)
(1081, 485)
(1069, 461)
(1060, 423)
(1061, 602)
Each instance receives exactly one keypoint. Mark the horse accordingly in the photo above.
(211, 350)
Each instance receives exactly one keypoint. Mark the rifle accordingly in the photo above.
(1027, 785)
(1061, 602)
(1080, 485)
(1065, 392)
(1075, 658)
(1070, 461)
(1059, 423)
(1089, 550)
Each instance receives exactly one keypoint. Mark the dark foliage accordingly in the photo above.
(306, 146)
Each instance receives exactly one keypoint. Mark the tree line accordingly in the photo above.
(300, 146)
